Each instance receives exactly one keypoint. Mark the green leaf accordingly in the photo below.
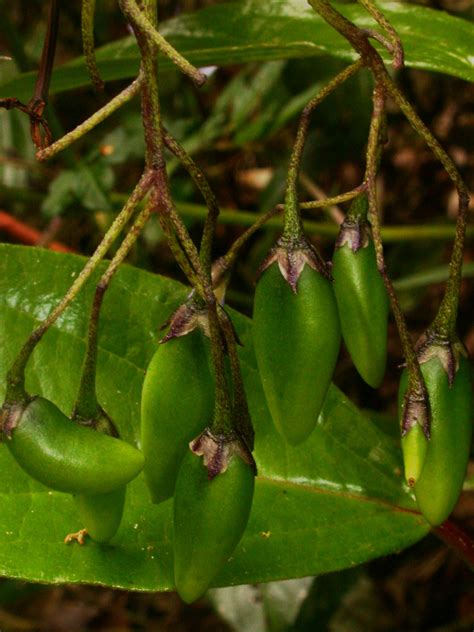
(252, 30)
(332, 503)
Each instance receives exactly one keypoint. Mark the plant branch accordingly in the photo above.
(83, 128)
(87, 30)
(87, 406)
(200, 180)
(457, 540)
(38, 101)
(16, 375)
(140, 20)
(178, 237)
(444, 325)
(240, 409)
(416, 395)
(293, 227)
(395, 47)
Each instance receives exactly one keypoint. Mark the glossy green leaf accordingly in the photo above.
(252, 30)
(336, 501)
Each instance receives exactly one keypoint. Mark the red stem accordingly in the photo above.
(458, 540)
(26, 234)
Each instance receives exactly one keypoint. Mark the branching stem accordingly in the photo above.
(293, 229)
(16, 375)
(81, 130)
(87, 406)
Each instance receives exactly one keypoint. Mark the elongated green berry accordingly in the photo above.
(440, 484)
(101, 514)
(66, 456)
(210, 516)
(177, 403)
(362, 301)
(414, 416)
(296, 336)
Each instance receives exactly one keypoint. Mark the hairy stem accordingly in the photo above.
(16, 375)
(395, 47)
(147, 28)
(240, 409)
(173, 226)
(87, 406)
(444, 325)
(87, 30)
(293, 229)
(81, 130)
(200, 180)
(416, 386)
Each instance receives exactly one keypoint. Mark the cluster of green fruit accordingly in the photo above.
(302, 305)
(301, 309)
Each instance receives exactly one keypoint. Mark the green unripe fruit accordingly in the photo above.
(414, 448)
(66, 456)
(296, 338)
(210, 517)
(362, 303)
(101, 514)
(177, 403)
(440, 484)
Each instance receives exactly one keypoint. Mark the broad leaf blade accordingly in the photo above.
(334, 502)
(252, 30)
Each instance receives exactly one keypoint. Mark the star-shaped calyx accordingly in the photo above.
(292, 255)
(189, 316)
(10, 415)
(355, 232)
(218, 450)
(448, 353)
(416, 412)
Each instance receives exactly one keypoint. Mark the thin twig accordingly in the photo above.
(87, 30)
(140, 20)
(83, 128)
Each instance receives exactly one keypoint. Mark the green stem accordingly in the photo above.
(359, 209)
(223, 421)
(444, 324)
(16, 375)
(147, 28)
(200, 180)
(240, 217)
(87, 30)
(78, 132)
(87, 407)
(293, 228)
(416, 409)
(240, 410)
(174, 228)
(171, 223)
(224, 264)
(395, 48)
(416, 385)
